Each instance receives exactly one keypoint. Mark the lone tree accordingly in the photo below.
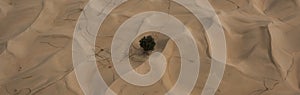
(147, 43)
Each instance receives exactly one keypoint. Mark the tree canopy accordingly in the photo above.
(147, 43)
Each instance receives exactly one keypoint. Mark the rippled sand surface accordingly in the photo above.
(262, 41)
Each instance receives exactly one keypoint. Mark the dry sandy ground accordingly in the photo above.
(262, 41)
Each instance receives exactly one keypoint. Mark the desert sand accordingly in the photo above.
(262, 46)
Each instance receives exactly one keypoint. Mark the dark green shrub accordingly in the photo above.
(147, 43)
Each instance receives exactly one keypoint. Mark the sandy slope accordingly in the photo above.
(262, 38)
(37, 59)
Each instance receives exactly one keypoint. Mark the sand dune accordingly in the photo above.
(262, 41)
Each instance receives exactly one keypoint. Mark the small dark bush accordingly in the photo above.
(147, 43)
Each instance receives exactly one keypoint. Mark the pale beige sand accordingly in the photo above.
(262, 40)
